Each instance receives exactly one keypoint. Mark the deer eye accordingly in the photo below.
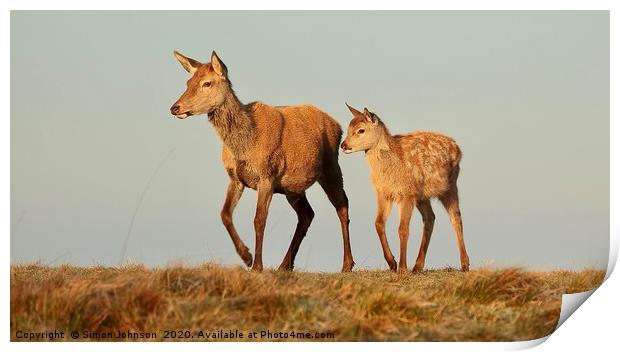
(361, 131)
(206, 84)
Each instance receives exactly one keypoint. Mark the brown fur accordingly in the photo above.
(410, 170)
(271, 150)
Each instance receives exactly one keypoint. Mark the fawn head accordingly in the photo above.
(364, 131)
(206, 89)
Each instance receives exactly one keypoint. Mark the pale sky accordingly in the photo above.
(525, 94)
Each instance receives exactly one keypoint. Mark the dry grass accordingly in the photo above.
(439, 305)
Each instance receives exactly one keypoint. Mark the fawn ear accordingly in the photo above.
(370, 117)
(354, 111)
(190, 65)
(218, 65)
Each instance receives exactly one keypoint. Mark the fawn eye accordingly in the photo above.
(206, 84)
(361, 131)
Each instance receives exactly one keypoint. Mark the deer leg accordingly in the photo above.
(451, 202)
(305, 214)
(265, 193)
(384, 207)
(332, 184)
(405, 208)
(233, 194)
(428, 218)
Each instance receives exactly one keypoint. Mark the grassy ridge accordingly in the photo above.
(440, 305)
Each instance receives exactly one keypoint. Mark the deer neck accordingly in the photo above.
(384, 153)
(234, 124)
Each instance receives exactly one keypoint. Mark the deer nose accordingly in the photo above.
(344, 145)
(175, 109)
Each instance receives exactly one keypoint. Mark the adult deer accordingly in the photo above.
(282, 149)
(410, 170)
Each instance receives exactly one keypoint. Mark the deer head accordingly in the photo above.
(365, 132)
(207, 87)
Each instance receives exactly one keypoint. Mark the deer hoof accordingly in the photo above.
(257, 268)
(464, 267)
(285, 267)
(247, 258)
(347, 266)
(417, 269)
(392, 265)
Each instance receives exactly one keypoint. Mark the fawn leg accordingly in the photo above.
(384, 207)
(451, 202)
(428, 218)
(405, 208)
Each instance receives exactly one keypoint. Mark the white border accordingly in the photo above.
(595, 323)
(313, 5)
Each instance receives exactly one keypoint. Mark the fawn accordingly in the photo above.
(410, 170)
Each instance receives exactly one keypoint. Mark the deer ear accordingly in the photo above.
(218, 65)
(370, 116)
(190, 65)
(354, 111)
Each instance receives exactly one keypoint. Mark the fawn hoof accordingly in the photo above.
(465, 267)
(392, 265)
(257, 267)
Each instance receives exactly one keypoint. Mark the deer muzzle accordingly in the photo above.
(176, 111)
(345, 148)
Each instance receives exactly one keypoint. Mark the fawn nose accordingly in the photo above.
(345, 148)
(175, 109)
